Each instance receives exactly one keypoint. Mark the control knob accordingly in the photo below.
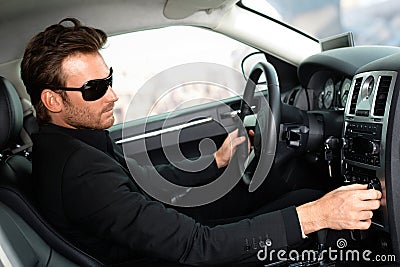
(375, 184)
(373, 147)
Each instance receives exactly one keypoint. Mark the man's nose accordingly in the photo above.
(111, 95)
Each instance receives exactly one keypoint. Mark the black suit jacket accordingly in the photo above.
(86, 193)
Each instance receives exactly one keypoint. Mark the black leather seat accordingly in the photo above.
(26, 238)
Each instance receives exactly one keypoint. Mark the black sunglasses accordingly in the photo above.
(91, 90)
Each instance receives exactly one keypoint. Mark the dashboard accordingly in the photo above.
(361, 84)
(326, 78)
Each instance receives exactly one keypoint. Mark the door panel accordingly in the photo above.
(186, 128)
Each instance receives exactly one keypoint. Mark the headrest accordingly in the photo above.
(11, 114)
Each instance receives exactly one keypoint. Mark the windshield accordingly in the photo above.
(372, 22)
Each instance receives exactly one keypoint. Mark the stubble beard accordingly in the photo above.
(84, 118)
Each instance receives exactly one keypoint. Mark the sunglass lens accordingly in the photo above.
(95, 90)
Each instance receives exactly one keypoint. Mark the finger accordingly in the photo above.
(368, 194)
(366, 215)
(239, 140)
(353, 187)
(251, 132)
(377, 192)
(363, 225)
(234, 134)
(371, 204)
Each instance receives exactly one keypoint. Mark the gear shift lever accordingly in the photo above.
(359, 235)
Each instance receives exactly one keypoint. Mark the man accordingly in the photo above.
(84, 190)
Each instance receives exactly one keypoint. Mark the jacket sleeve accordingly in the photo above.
(102, 200)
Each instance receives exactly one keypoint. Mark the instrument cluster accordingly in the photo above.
(334, 94)
(324, 92)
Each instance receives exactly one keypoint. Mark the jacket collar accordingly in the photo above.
(99, 139)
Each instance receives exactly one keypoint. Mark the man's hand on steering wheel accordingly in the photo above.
(228, 148)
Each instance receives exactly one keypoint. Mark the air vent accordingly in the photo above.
(354, 97)
(381, 95)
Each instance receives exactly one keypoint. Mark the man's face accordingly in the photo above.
(77, 112)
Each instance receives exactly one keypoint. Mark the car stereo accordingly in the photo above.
(364, 133)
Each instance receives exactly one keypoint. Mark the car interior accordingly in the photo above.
(333, 107)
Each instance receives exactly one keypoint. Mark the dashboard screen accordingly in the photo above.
(337, 41)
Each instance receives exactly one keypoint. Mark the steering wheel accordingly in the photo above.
(266, 130)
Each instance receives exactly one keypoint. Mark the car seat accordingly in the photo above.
(26, 239)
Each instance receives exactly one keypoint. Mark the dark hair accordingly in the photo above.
(45, 53)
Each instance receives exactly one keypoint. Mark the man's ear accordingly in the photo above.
(52, 101)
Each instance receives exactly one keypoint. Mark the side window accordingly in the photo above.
(139, 57)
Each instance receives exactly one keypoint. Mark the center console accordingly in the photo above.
(364, 134)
